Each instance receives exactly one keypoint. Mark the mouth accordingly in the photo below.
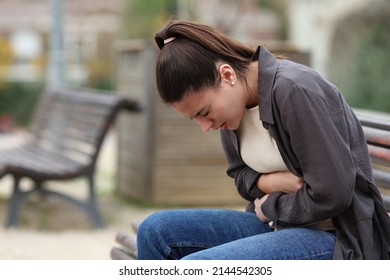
(223, 126)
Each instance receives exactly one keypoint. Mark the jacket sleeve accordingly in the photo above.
(315, 122)
(244, 177)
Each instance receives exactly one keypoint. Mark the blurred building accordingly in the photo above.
(89, 28)
(24, 27)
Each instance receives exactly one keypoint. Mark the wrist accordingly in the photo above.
(263, 184)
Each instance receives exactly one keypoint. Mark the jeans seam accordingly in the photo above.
(318, 254)
(168, 250)
(188, 244)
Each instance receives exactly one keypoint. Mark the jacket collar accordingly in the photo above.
(268, 66)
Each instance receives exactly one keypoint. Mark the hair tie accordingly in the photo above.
(166, 41)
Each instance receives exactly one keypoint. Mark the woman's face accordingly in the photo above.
(220, 107)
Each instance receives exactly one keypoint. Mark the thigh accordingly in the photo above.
(287, 244)
(177, 233)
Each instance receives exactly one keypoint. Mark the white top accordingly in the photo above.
(258, 149)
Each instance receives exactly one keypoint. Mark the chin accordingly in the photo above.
(233, 127)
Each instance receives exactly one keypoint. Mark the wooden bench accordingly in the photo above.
(68, 129)
(376, 128)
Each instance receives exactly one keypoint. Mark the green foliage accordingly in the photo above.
(369, 86)
(18, 100)
(141, 18)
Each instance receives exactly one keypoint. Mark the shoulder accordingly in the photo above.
(297, 81)
(290, 73)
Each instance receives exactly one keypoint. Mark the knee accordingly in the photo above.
(151, 237)
(152, 226)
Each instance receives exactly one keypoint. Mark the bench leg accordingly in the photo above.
(18, 197)
(92, 206)
(15, 204)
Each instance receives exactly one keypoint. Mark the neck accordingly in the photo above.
(252, 79)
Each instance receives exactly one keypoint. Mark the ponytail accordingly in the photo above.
(188, 56)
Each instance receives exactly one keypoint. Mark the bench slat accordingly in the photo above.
(379, 155)
(377, 136)
(88, 135)
(31, 160)
(380, 122)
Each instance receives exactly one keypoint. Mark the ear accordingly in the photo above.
(227, 74)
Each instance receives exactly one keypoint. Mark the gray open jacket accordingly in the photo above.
(319, 138)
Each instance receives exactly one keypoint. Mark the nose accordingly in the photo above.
(205, 124)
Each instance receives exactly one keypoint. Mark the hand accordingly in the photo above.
(259, 213)
(280, 181)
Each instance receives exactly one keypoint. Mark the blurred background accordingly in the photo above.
(156, 159)
(347, 41)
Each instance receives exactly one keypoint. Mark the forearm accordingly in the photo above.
(246, 183)
(279, 181)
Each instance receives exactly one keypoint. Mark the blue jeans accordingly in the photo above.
(211, 234)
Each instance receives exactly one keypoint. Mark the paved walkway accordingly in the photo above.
(52, 229)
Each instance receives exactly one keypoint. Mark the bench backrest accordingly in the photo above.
(377, 131)
(74, 123)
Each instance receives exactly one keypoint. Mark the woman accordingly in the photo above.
(295, 149)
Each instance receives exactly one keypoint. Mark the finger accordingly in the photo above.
(135, 226)
(120, 254)
(127, 242)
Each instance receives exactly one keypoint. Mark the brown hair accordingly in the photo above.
(188, 62)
